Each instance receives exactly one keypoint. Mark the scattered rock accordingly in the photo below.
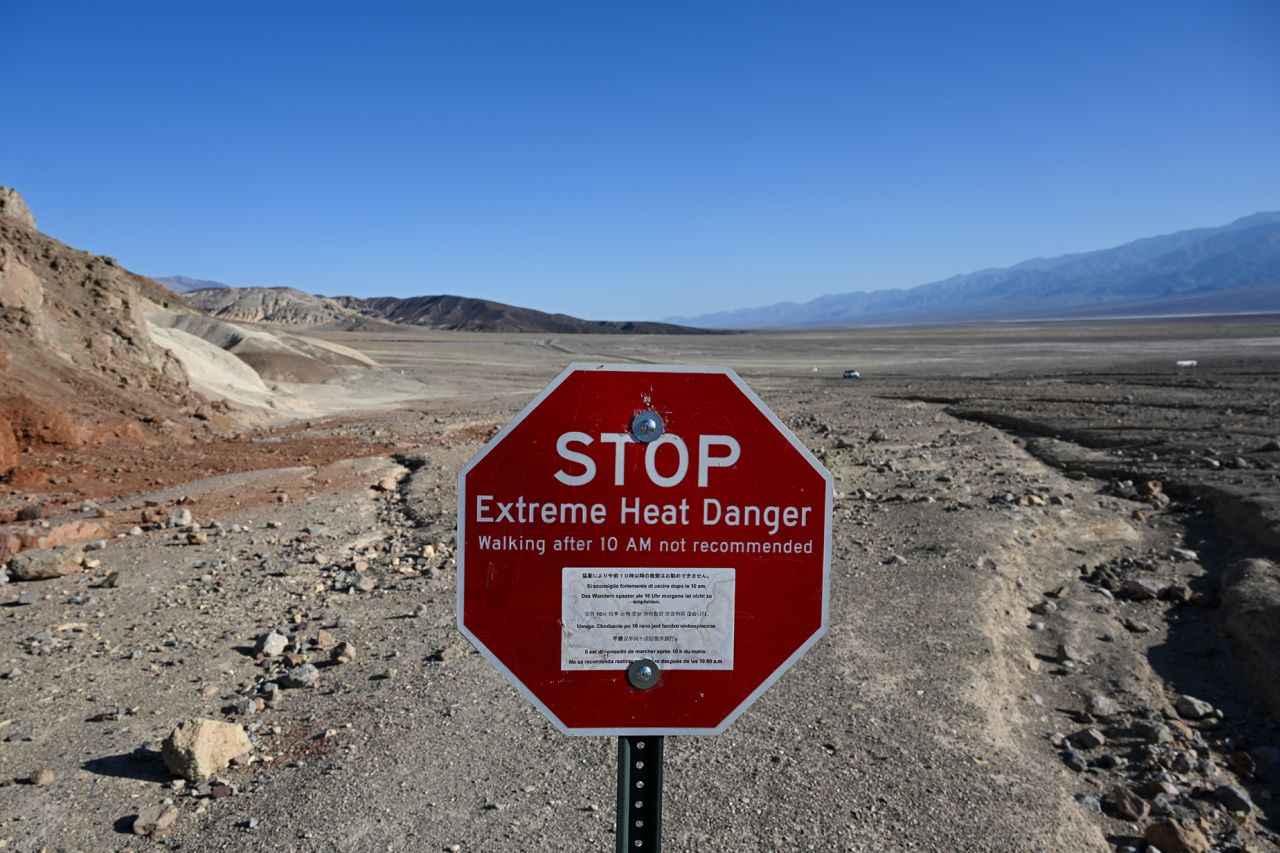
(43, 776)
(155, 821)
(1233, 798)
(1044, 608)
(1089, 803)
(1171, 836)
(197, 537)
(878, 435)
(895, 560)
(343, 653)
(1089, 738)
(387, 484)
(44, 565)
(199, 748)
(1128, 804)
(1098, 705)
(272, 644)
(1191, 708)
(303, 675)
(1152, 732)
(178, 518)
(1141, 589)
(1066, 654)
(1182, 555)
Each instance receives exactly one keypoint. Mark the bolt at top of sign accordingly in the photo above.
(646, 427)
(644, 549)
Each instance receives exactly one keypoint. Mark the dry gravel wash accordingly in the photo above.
(922, 721)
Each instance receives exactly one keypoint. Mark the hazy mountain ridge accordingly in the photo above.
(1235, 267)
(185, 284)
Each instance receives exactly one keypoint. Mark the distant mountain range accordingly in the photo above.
(183, 284)
(286, 306)
(1229, 269)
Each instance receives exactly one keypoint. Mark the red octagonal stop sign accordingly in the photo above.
(641, 513)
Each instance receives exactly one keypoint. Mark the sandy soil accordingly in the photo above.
(932, 716)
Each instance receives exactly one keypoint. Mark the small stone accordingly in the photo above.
(1075, 761)
(1089, 803)
(303, 675)
(135, 531)
(272, 644)
(43, 776)
(878, 435)
(1089, 738)
(29, 597)
(1182, 555)
(1098, 705)
(387, 484)
(199, 748)
(1170, 836)
(366, 583)
(420, 611)
(178, 518)
(895, 560)
(1066, 654)
(95, 545)
(1141, 589)
(1037, 626)
(197, 537)
(344, 652)
(1128, 804)
(1044, 608)
(1191, 708)
(155, 821)
(1234, 799)
(1152, 732)
(1135, 626)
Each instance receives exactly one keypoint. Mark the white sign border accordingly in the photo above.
(577, 367)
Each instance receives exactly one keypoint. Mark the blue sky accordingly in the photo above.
(632, 160)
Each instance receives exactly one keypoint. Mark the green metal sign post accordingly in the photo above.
(639, 794)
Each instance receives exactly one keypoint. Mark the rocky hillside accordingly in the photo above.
(282, 305)
(289, 307)
(77, 364)
(461, 313)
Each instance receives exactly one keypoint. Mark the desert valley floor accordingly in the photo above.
(1048, 540)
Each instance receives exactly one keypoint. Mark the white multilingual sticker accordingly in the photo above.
(678, 618)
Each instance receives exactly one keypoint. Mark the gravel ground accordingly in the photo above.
(941, 711)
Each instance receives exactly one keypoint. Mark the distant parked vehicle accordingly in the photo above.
(852, 374)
